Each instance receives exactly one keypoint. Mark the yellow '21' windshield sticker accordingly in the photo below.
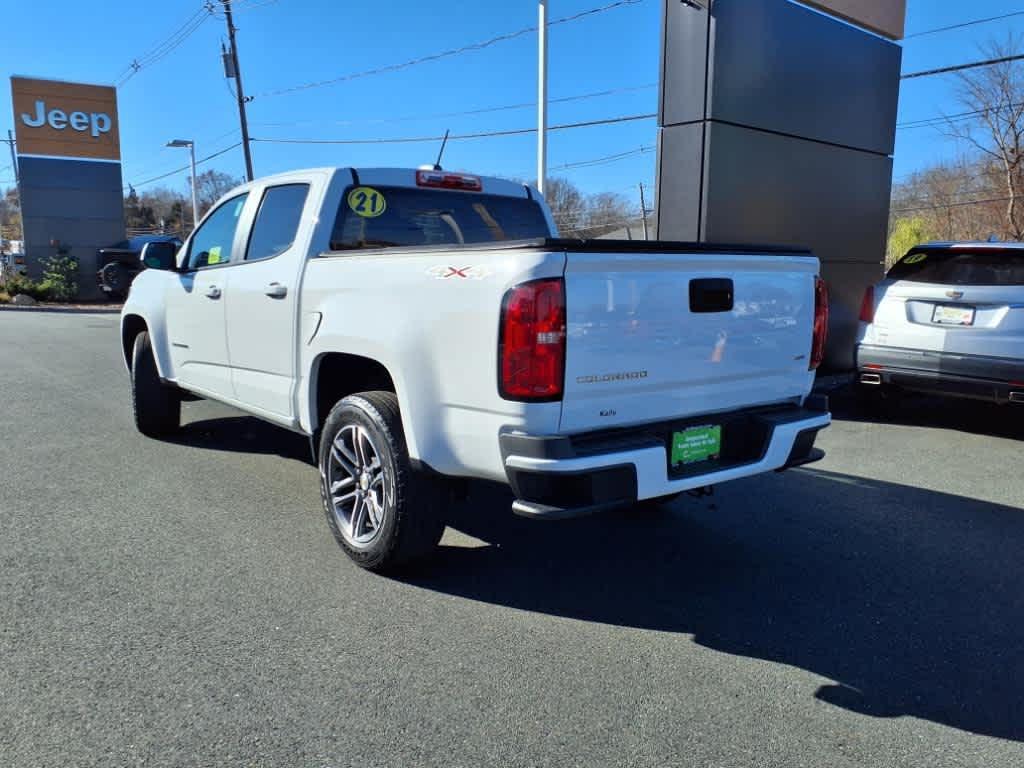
(214, 257)
(915, 258)
(367, 202)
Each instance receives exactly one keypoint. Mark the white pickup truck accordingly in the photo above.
(425, 326)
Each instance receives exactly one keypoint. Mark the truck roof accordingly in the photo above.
(399, 177)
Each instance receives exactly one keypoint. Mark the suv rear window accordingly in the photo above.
(385, 217)
(961, 267)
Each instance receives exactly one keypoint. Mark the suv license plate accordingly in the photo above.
(696, 444)
(953, 315)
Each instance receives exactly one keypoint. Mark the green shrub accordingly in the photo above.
(21, 284)
(60, 277)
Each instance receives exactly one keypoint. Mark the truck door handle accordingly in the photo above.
(213, 292)
(276, 291)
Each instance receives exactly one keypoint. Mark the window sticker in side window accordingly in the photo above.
(367, 202)
(214, 257)
(915, 258)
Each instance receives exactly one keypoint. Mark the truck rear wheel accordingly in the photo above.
(156, 406)
(383, 513)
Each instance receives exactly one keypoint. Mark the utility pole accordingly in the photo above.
(542, 96)
(14, 157)
(643, 209)
(237, 74)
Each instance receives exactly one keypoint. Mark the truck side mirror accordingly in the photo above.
(160, 256)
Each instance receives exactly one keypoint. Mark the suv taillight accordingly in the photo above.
(820, 323)
(531, 348)
(867, 306)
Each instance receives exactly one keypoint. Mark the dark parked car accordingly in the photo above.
(121, 262)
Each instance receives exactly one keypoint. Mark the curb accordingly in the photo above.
(81, 310)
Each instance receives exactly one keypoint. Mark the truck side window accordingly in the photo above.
(277, 221)
(212, 242)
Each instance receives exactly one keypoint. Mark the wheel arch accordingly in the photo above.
(131, 326)
(335, 375)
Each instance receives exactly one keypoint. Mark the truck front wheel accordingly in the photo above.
(156, 406)
(382, 512)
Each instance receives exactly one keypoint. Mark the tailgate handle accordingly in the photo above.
(711, 294)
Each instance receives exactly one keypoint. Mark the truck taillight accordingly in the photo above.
(443, 180)
(867, 306)
(531, 347)
(820, 323)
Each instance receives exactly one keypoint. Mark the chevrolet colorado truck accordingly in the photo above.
(422, 326)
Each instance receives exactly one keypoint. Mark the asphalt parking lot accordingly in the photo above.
(183, 603)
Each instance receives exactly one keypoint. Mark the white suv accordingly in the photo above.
(948, 318)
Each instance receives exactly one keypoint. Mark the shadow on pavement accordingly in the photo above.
(919, 410)
(910, 600)
(243, 434)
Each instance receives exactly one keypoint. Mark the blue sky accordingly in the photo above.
(291, 42)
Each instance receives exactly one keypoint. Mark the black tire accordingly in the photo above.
(412, 512)
(115, 278)
(156, 407)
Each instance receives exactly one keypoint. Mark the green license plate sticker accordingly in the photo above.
(696, 444)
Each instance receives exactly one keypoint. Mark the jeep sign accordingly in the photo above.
(58, 119)
(69, 164)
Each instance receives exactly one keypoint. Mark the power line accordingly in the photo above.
(201, 140)
(466, 113)
(179, 36)
(925, 122)
(961, 67)
(963, 24)
(604, 160)
(446, 54)
(950, 205)
(463, 136)
(184, 167)
(244, 6)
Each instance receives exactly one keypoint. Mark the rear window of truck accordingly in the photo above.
(961, 267)
(387, 217)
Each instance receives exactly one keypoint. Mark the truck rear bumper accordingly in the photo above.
(568, 476)
(977, 377)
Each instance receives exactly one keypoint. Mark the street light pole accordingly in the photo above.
(192, 154)
(194, 184)
(542, 96)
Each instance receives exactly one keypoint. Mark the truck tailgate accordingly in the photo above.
(651, 337)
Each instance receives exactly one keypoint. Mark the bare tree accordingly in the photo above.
(606, 212)
(567, 204)
(211, 186)
(10, 215)
(580, 215)
(994, 98)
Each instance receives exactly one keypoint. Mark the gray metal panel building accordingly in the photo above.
(77, 203)
(777, 126)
